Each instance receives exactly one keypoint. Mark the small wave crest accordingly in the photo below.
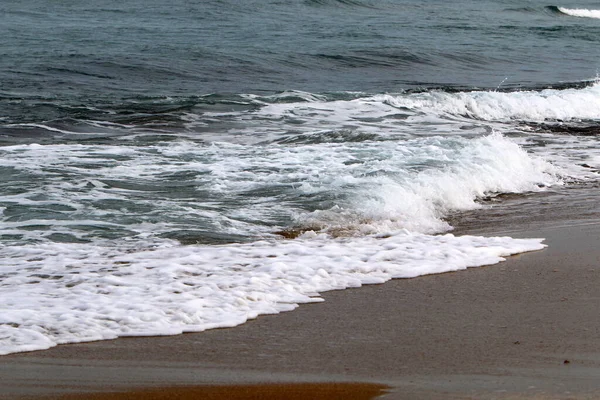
(385, 59)
(576, 12)
(524, 9)
(339, 3)
(548, 104)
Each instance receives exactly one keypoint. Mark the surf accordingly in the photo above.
(578, 12)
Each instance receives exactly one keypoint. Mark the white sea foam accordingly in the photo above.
(434, 112)
(580, 12)
(368, 187)
(549, 104)
(418, 200)
(573, 154)
(72, 293)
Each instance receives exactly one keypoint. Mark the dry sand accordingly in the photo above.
(527, 328)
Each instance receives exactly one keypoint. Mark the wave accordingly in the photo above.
(549, 104)
(128, 110)
(577, 12)
(413, 112)
(341, 185)
(340, 3)
(390, 59)
(523, 9)
(427, 180)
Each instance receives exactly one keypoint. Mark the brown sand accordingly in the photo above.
(296, 391)
(526, 328)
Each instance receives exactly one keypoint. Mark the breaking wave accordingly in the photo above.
(579, 12)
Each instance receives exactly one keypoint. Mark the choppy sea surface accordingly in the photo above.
(170, 167)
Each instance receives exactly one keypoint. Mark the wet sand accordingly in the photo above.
(294, 391)
(527, 328)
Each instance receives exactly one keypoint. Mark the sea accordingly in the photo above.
(176, 166)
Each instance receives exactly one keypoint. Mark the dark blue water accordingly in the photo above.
(106, 53)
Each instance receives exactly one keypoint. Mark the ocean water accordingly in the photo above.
(170, 167)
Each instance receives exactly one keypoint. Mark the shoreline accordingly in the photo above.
(526, 328)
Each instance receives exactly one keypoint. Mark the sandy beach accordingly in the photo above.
(193, 192)
(527, 328)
